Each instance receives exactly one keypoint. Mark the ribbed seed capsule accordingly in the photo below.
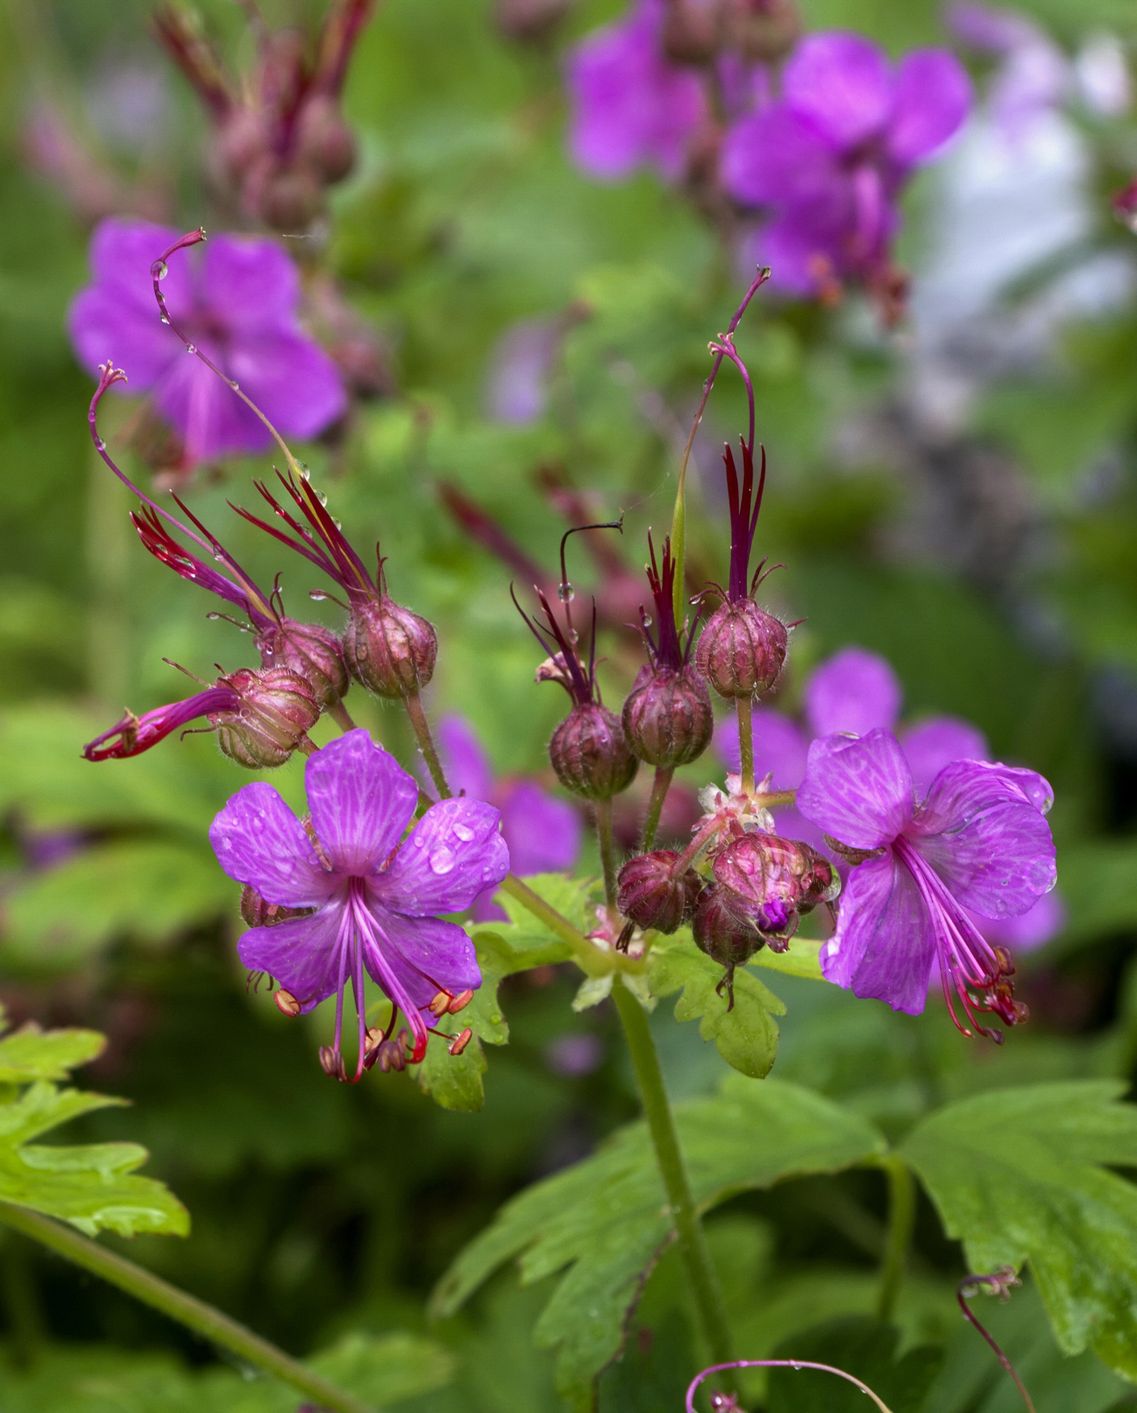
(590, 753)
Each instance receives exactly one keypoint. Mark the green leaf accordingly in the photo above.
(865, 1348)
(605, 1219)
(746, 1034)
(1017, 1175)
(89, 1185)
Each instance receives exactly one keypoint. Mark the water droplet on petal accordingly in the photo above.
(164, 318)
(463, 832)
(192, 348)
(442, 860)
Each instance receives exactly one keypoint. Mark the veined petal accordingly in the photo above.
(982, 830)
(361, 800)
(841, 83)
(775, 157)
(932, 94)
(885, 943)
(208, 416)
(854, 690)
(455, 851)
(431, 950)
(306, 955)
(259, 841)
(250, 283)
(936, 743)
(858, 789)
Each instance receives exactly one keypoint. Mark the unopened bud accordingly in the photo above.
(287, 198)
(668, 717)
(323, 140)
(742, 649)
(691, 30)
(590, 754)
(389, 650)
(724, 934)
(312, 652)
(775, 880)
(652, 895)
(275, 711)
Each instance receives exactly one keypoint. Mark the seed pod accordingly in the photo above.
(389, 649)
(652, 895)
(323, 140)
(312, 652)
(725, 935)
(668, 717)
(590, 754)
(275, 709)
(775, 880)
(742, 649)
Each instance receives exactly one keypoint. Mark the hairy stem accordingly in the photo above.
(746, 743)
(194, 1314)
(901, 1219)
(660, 786)
(603, 815)
(342, 717)
(689, 1233)
(421, 728)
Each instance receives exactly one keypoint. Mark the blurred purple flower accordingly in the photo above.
(373, 896)
(830, 157)
(631, 107)
(238, 305)
(977, 843)
(1034, 77)
(543, 833)
(520, 364)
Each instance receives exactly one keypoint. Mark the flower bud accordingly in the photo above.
(763, 31)
(590, 755)
(312, 652)
(774, 880)
(287, 198)
(742, 649)
(668, 718)
(389, 650)
(724, 935)
(690, 33)
(652, 896)
(323, 140)
(274, 711)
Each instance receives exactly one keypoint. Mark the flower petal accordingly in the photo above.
(466, 765)
(1028, 930)
(303, 954)
(455, 851)
(541, 832)
(776, 157)
(208, 416)
(361, 800)
(426, 954)
(885, 944)
(858, 788)
(122, 253)
(291, 379)
(780, 747)
(251, 284)
(932, 94)
(936, 743)
(854, 690)
(841, 83)
(259, 841)
(104, 326)
(982, 830)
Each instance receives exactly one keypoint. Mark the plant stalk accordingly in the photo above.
(187, 1310)
(603, 815)
(421, 728)
(689, 1233)
(746, 743)
(901, 1221)
(660, 786)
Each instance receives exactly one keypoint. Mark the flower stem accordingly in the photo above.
(795, 1364)
(689, 1233)
(901, 1220)
(603, 816)
(425, 740)
(591, 959)
(746, 743)
(659, 789)
(342, 717)
(194, 1314)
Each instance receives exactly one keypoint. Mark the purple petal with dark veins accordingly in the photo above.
(858, 789)
(455, 851)
(936, 743)
(259, 841)
(303, 954)
(855, 691)
(361, 801)
(437, 953)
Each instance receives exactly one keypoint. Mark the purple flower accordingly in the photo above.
(830, 157)
(977, 843)
(373, 896)
(542, 833)
(238, 305)
(630, 106)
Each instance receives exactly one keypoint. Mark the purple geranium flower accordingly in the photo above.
(630, 105)
(238, 305)
(829, 158)
(542, 833)
(977, 842)
(372, 897)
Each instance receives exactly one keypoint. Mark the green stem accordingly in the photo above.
(901, 1220)
(591, 959)
(21, 1304)
(659, 789)
(746, 743)
(194, 1314)
(603, 815)
(689, 1233)
(425, 740)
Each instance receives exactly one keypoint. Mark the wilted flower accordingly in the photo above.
(830, 157)
(374, 896)
(238, 305)
(978, 842)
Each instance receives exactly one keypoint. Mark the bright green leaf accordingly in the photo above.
(1018, 1176)
(31, 1053)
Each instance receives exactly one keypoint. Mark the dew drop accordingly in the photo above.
(442, 860)
(317, 595)
(234, 385)
(213, 617)
(305, 471)
(796, 1368)
(159, 270)
(164, 318)
(419, 841)
(646, 620)
(322, 497)
(191, 348)
(565, 592)
(463, 832)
